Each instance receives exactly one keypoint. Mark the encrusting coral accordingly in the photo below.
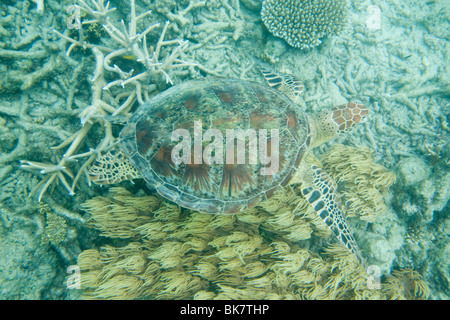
(55, 226)
(172, 253)
(304, 23)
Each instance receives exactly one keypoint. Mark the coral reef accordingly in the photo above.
(26, 57)
(35, 242)
(43, 95)
(422, 206)
(126, 42)
(406, 284)
(258, 254)
(304, 23)
(171, 253)
(178, 254)
(398, 70)
(23, 276)
(364, 186)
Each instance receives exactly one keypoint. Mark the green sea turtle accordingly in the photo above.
(182, 142)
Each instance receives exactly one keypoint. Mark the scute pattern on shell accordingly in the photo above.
(219, 104)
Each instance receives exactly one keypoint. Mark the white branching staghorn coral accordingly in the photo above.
(126, 42)
(89, 116)
(130, 43)
(39, 5)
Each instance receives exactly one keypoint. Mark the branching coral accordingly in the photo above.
(257, 254)
(304, 23)
(58, 171)
(175, 255)
(125, 42)
(128, 42)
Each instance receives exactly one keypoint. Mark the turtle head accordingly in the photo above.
(342, 119)
(348, 115)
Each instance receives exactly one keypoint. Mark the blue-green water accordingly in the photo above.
(67, 89)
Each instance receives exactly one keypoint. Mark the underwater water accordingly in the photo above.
(74, 72)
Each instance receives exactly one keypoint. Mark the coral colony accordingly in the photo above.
(73, 70)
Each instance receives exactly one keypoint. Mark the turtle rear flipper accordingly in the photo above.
(320, 191)
(113, 167)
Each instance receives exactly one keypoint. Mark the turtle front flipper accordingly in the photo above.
(286, 83)
(320, 191)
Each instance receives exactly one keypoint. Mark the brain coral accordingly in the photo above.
(303, 23)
